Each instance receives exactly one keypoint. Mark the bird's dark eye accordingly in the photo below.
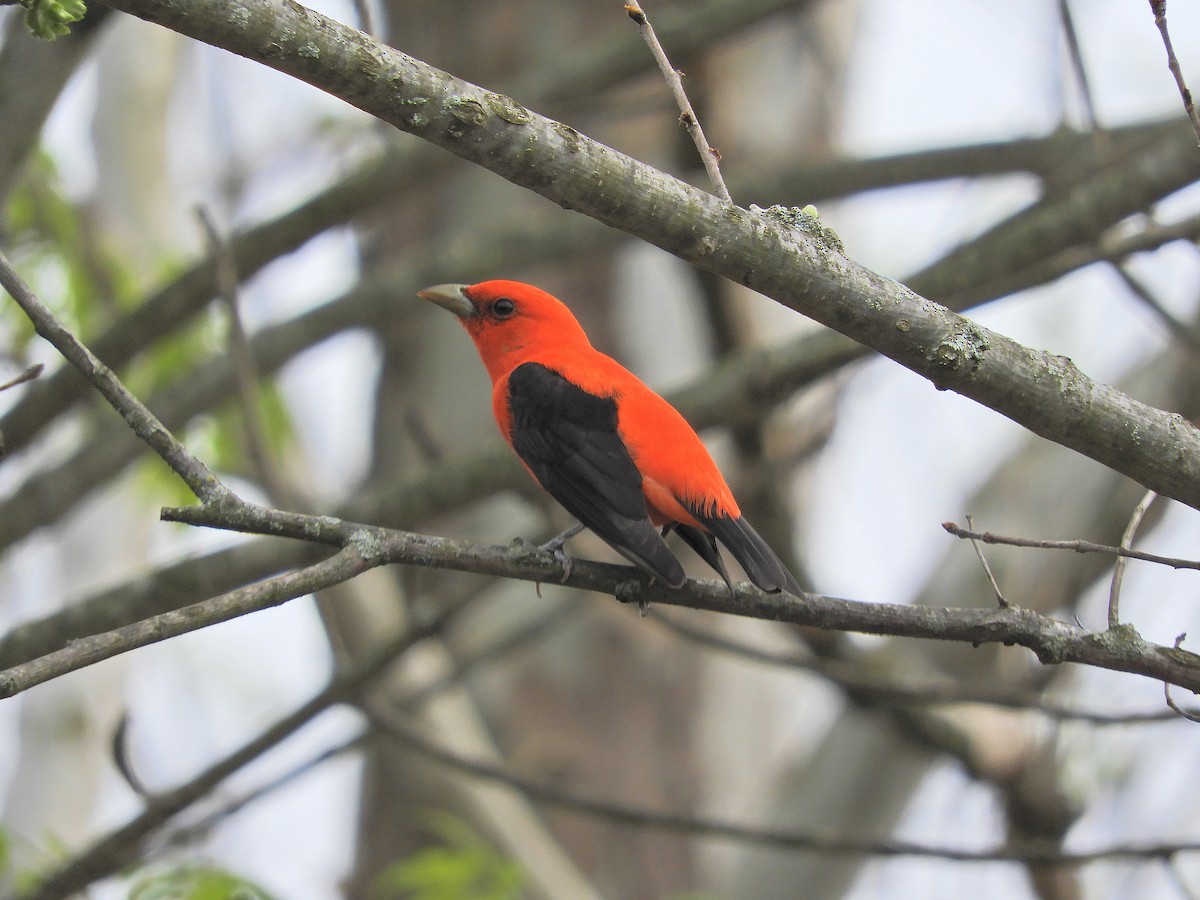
(503, 308)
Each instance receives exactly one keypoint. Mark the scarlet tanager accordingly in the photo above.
(615, 454)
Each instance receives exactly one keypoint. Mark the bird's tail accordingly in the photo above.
(757, 559)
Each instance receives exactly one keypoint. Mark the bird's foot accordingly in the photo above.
(554, 547)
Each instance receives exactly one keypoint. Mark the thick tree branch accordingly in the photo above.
(782, 257)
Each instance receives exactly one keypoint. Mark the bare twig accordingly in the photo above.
(1159, 8)
(710, 156)
(516, 639)
(987, 570)
(28, 375)
(1114, 593)
(1075, 53)
(428, 445)
(248, 385)
(365, 11)
(1075, 546)
(1186, 336)
(1175, 707)
(1171, 864)
(121, 760)
(187, 835)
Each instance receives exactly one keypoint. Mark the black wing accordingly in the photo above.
(568, 438)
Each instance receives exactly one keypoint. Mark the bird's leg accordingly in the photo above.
(554, 546)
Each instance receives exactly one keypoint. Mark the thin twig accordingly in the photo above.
(987, 570)
(245, 371)
(1171, 864)
(143, 422)
(1177, 329)
(1075, 52)
(710, 156)
(1076, 546)
(413, 699)
(365, 11)
(1159, 8)
(1175, 707)
(1114, 592)
(187, 835)
(431, 449)
(28, 375)
(518, 638)
(121, 760)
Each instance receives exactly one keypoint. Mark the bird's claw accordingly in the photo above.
(554, 547)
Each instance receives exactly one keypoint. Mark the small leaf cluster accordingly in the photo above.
(460, 864)
(195, 882)
(50, 19)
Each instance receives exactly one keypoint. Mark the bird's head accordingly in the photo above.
(510, 322)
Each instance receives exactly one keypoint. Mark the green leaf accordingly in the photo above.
(463, 867)
(192, 882)
(50, 19)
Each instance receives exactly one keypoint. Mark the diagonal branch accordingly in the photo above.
(709, 155)
(144, 423)
(1159, 9)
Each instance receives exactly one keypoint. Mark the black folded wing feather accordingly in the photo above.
(568, 438)
(754, 555)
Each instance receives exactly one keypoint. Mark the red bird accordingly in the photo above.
(614, 453)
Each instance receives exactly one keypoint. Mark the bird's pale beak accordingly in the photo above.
(452, 297)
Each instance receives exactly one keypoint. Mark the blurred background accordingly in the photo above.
(964, 149)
